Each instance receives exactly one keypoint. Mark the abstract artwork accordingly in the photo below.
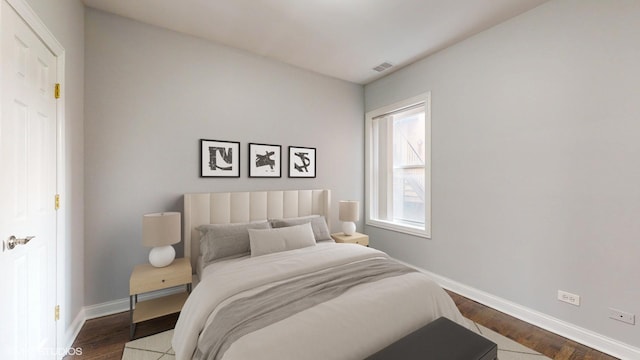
(302, 162)
(219, 158)
(265, 160)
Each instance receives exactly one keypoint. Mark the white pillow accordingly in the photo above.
(268, 241)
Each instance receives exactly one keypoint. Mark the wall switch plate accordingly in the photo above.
(569, 298)
(622, 316)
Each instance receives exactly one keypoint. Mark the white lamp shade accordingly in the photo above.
(349, 211)
(161, 229)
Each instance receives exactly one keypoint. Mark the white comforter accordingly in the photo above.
(354, 325)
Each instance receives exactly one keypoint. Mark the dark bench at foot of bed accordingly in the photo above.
(442, 339)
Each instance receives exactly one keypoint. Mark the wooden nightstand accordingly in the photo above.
(356, 238)
(146, 278)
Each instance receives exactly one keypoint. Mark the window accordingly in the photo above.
(398, 165)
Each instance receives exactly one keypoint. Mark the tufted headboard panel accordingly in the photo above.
(238, 207)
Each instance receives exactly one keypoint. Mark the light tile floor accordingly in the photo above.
(509, 349)
(158, 347)
(154, 347)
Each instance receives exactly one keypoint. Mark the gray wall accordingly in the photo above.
(65, 20)
(151, 94)
(535, 161)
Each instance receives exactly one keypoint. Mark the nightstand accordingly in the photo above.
(146, 278)
(356, 238)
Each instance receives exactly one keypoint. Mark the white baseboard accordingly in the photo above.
(581, 335)
(70, 335)
(108, 308)
(74, 329)
(121, 305)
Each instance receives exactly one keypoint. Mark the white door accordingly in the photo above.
(28, 126)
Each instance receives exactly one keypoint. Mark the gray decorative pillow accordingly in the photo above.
(318, 225)
(282, 239)
(224, 240)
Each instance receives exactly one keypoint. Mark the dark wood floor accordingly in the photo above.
(104, 338)
(542, 341)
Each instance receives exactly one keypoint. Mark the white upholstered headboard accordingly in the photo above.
(237, 207)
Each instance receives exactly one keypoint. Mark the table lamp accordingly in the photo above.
(348, 213)
(160, 231)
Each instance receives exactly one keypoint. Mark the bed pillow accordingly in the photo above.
(318, 225)
(268, 241)
(223, 240)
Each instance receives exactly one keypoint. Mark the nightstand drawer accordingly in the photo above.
(149, 278)
(361, 241)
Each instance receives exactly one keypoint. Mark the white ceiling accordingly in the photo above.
(344, 39)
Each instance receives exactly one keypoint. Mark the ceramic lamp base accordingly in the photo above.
(349, 227)
(161, 256)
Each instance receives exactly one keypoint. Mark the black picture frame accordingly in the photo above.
(219, 158)
(265, 160)
(302, 162)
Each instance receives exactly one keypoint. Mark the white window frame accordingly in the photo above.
(371, 180)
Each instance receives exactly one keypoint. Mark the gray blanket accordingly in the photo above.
(255, 312)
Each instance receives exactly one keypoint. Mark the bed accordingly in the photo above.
(293, 293)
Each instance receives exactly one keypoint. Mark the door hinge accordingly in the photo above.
(57, 312)
(57, 202)
(56, 92)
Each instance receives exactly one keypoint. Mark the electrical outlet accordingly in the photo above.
(622, 316)
(569, 298)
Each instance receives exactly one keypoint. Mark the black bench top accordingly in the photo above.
(441, 339)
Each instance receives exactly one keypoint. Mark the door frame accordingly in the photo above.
(27, 13)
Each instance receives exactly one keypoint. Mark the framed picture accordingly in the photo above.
(219, 158)
(265, 160)
(302, 162)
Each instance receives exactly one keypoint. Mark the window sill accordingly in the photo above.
(405, 229)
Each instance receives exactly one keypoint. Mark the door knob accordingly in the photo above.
(13, 241)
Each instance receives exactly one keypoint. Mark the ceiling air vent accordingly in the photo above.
(382, 67)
